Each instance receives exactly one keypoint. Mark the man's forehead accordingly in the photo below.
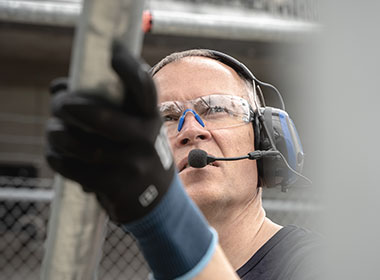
(200, 62)
(195, 76)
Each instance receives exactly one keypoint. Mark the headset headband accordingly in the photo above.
(243, 70)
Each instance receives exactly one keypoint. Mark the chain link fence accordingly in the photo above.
(121, 257)
(24, 214)
(22, 235)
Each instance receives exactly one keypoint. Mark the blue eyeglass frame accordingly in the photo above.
(182, 119)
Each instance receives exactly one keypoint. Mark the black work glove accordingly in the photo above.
(119, 152)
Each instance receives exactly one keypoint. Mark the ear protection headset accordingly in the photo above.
(274, 130)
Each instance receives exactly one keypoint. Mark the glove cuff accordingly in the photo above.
(175, 237)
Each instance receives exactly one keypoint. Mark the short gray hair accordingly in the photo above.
(251, 89)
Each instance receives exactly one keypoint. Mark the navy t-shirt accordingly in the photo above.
(289, 254)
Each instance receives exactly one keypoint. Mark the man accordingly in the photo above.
(120, 153)
(228, 193)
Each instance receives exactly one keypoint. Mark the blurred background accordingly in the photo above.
(35, 47)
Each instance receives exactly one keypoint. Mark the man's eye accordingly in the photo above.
(170, 118)
(216, 110)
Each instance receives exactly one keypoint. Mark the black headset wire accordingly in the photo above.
(294, 171)
(253, 77)
(274, 89)
(261, 96)
(262, 121)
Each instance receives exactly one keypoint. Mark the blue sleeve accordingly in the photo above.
(175, 238)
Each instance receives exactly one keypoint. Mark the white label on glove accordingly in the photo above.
(148, 195)
(163, 149)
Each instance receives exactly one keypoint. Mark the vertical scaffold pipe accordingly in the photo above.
(77, 223)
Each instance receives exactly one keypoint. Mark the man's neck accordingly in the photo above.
(245, 232)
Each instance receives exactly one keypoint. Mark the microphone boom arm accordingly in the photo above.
(252, 156)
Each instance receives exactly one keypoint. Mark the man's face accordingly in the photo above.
(227, 186)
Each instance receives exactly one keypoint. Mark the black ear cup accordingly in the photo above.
(272, 170)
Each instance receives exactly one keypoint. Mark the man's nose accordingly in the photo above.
(191, 130)
(183, 117)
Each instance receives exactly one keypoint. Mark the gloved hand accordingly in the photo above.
(119, 152)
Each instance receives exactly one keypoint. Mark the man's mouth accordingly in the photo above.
(184, 165)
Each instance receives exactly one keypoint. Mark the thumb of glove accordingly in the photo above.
(140, 97)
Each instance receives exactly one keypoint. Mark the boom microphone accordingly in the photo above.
(198, 158)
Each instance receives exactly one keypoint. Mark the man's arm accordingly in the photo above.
(218, 268)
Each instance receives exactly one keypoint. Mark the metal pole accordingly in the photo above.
(77, 223)
(254, 26)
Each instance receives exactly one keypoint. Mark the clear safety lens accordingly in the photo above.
(217, 111)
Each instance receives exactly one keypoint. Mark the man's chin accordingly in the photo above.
(197, 180)
(204, 192)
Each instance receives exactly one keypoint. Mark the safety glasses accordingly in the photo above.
(214, 111)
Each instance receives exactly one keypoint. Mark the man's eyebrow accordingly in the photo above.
(168, 105)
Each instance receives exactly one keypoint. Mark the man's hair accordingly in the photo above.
(209, 54)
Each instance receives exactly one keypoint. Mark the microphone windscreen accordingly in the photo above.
(197, 158)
